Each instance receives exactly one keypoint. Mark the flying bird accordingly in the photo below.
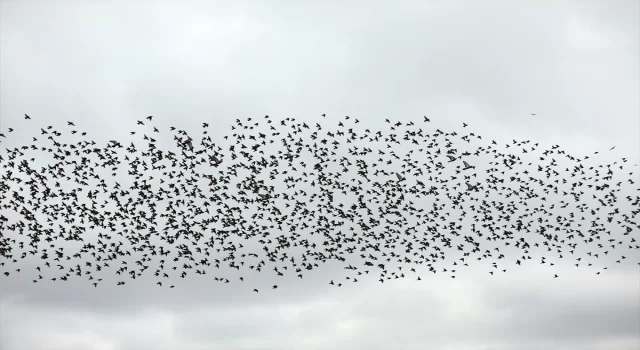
(287, 196)
(471, 187)
(467, 166)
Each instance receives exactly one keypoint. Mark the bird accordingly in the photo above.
(467, 166)
(287, 196)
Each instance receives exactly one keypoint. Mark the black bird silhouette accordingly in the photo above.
(287, 197)
(467, 166)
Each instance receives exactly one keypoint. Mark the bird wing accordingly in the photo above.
(466, 165)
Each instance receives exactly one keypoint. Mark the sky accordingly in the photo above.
(491, 64)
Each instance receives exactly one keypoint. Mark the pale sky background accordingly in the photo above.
(105, 64)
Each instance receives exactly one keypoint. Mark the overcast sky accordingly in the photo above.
(105, 64)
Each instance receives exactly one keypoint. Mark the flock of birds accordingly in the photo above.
(289, 197)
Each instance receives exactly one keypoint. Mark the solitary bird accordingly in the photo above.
(467, 166)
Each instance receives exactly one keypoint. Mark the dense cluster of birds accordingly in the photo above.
(290, 196)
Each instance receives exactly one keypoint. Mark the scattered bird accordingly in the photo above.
(323, 194)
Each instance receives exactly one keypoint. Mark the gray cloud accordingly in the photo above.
(491, 64)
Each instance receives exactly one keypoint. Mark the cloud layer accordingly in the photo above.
(490, 64)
